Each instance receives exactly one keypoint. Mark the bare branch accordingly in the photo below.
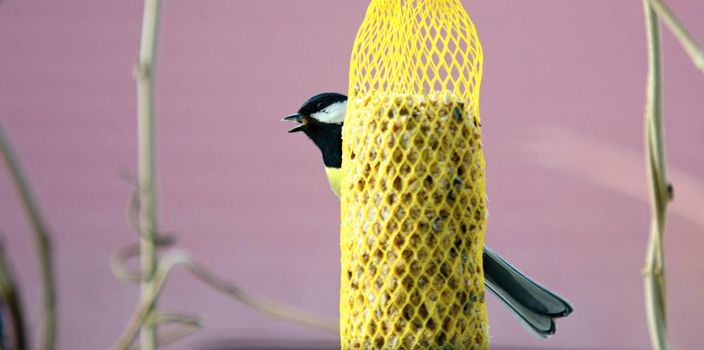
(148, 226)
(654, 270)
(690, 45)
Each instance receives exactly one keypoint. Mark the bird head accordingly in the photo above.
(321, 118)
(325, 108)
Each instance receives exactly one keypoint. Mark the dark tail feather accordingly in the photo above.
(532, 303)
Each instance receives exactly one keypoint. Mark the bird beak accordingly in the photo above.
(300, 119)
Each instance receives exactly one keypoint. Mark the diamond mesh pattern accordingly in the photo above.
(413, 203)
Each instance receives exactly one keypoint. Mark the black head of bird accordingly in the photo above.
(321, 118)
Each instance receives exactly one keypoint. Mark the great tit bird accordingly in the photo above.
(321, 119)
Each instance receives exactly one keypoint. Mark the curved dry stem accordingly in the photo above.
(690, 45)
(174, 259)
(272, 308)
(147, 300)
(185, 325)
(119, 261)
(179, 318)
(10, 296)
(42, 241)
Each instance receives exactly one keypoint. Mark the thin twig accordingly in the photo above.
(271, 308)
(690, 45)
(41, 239)
(147, 165)
(660, 194)
(170, 337)
(10, 296)
(147, 301)
(117, 263)
(187, 325)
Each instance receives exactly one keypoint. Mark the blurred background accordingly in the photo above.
(562, 105)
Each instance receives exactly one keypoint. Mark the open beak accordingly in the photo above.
(300, 119)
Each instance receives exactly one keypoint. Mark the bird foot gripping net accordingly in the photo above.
(413, 202)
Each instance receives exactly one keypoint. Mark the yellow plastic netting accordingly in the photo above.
(413, 203)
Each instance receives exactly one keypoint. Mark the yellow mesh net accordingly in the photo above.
(413, 203)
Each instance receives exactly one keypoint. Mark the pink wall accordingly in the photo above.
(562, 104)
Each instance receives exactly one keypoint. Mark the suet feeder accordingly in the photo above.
(413, 199)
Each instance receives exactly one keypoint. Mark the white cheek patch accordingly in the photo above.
(334, 114)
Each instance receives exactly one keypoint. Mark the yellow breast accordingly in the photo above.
(334, 176)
